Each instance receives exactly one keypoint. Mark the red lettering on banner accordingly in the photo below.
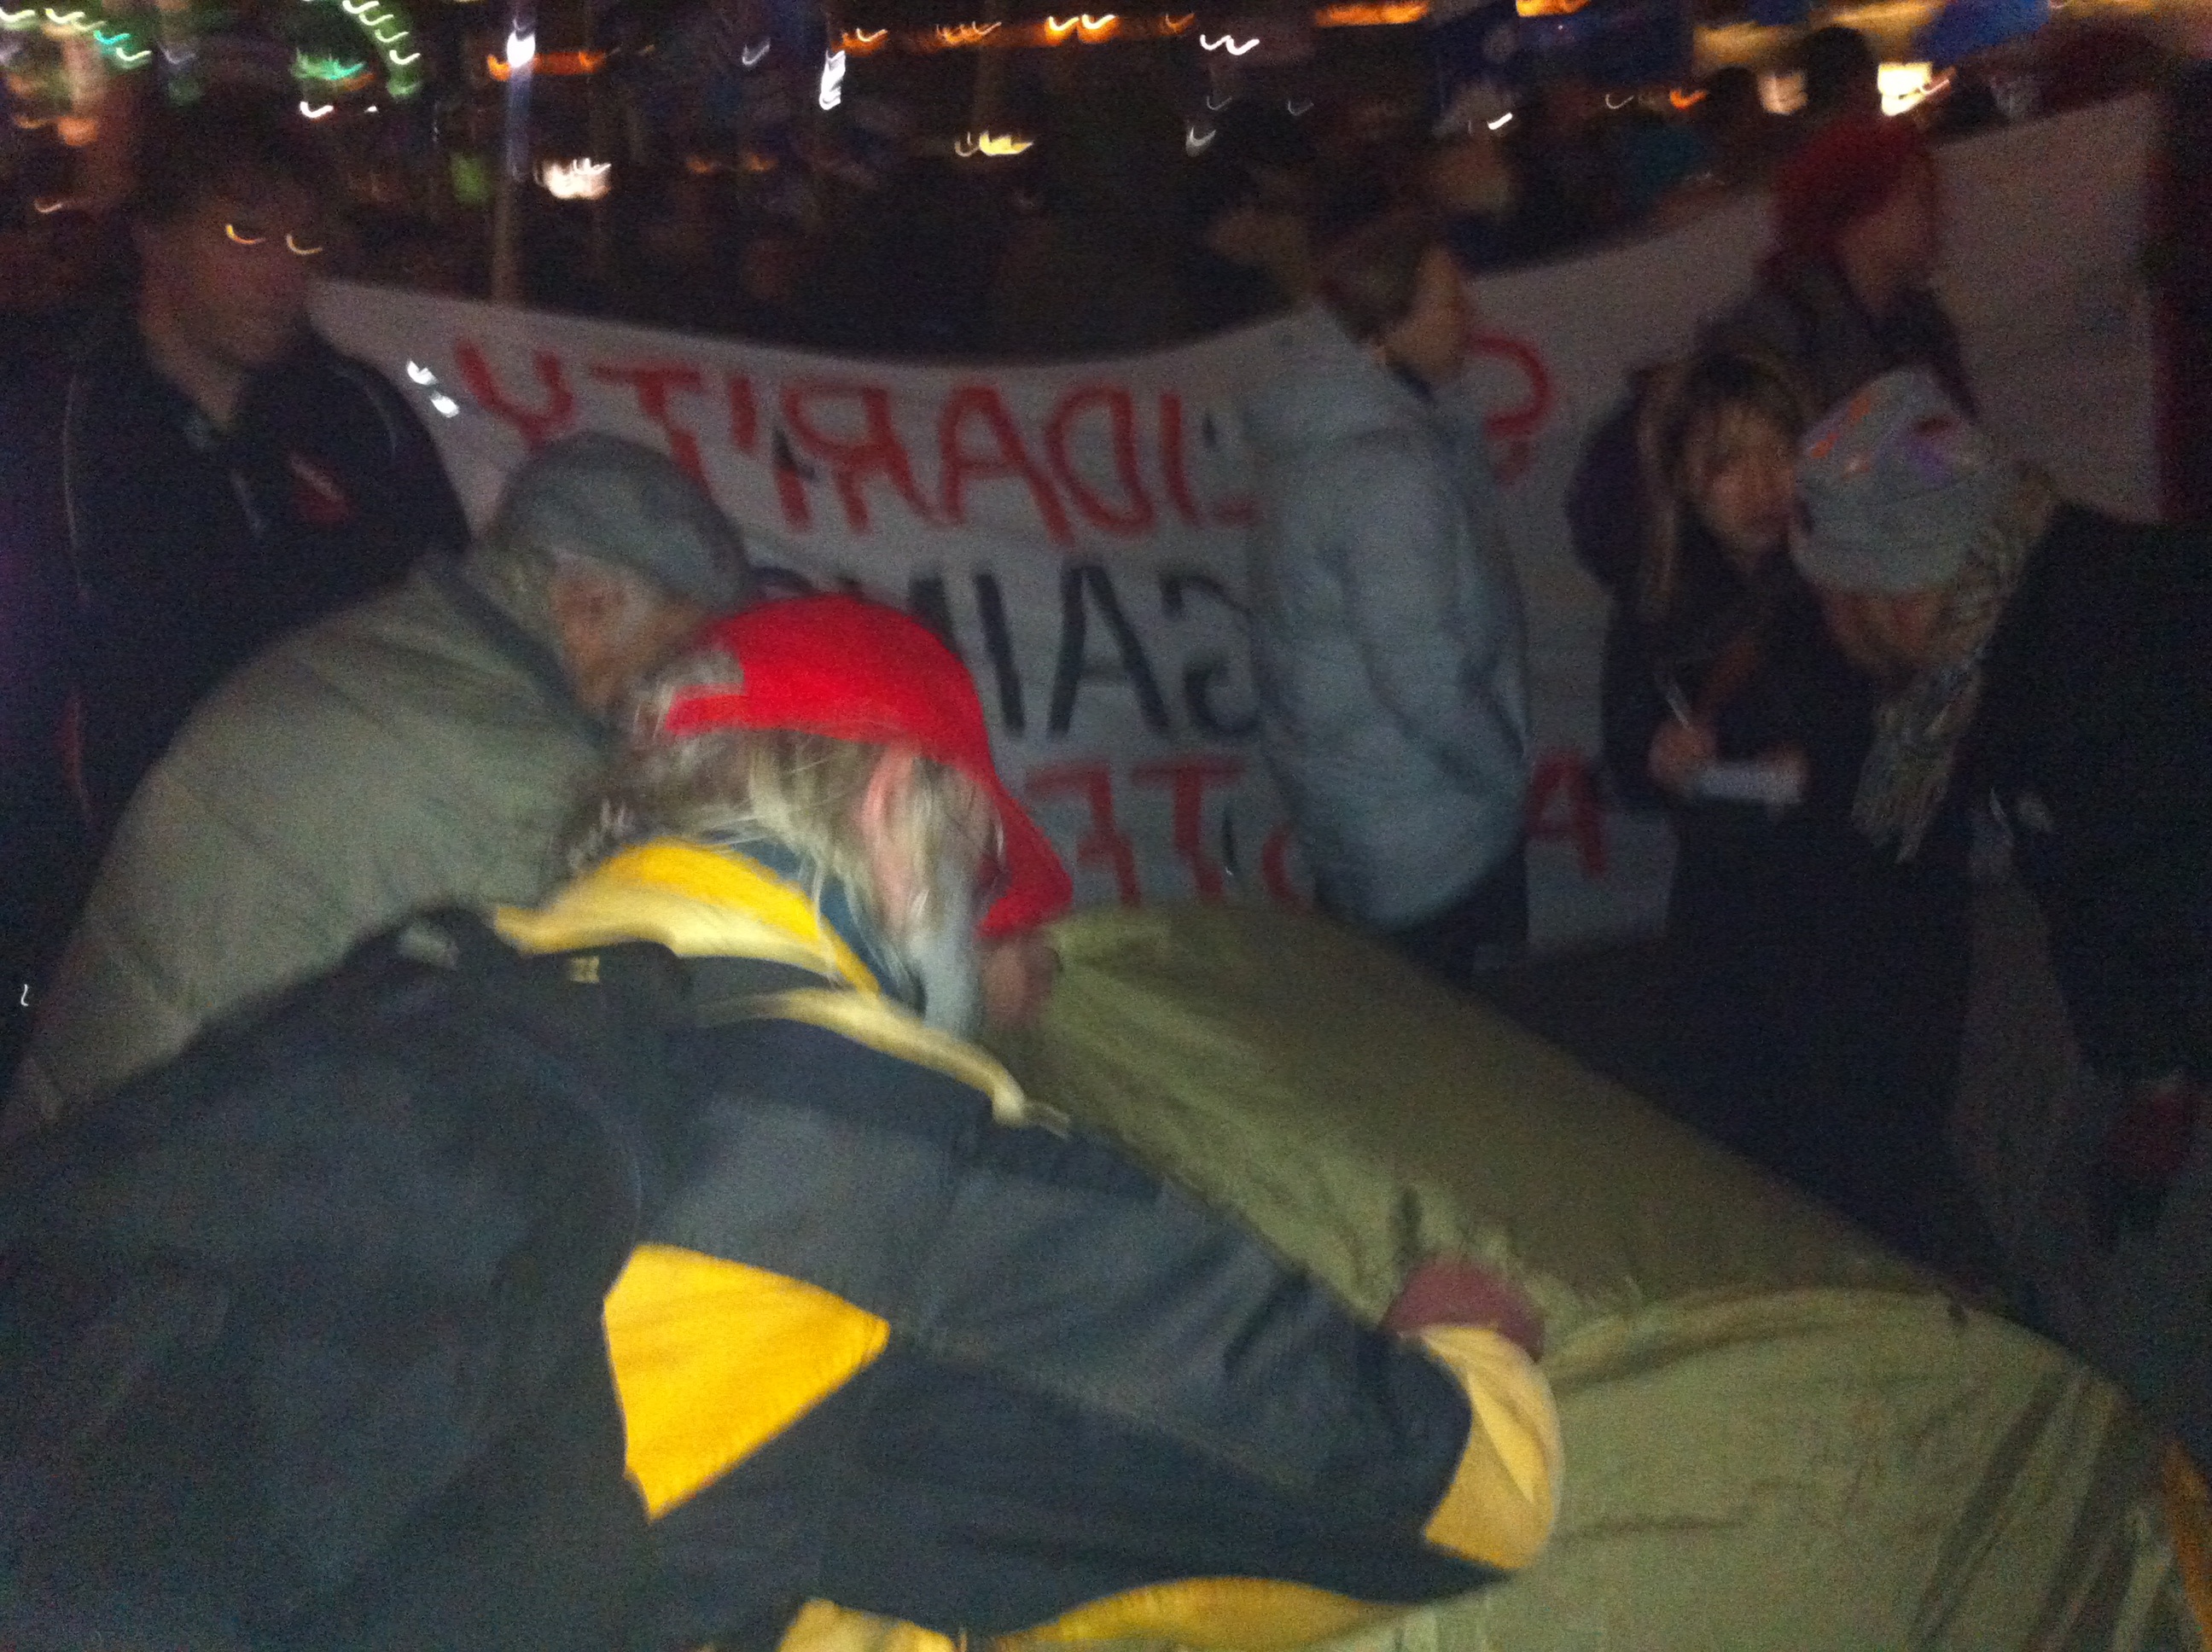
(1189, 777)
(744, 415)
(1580, 819)
(1275, 867)
(853, 459)
(651, 385)
(1105, 843)
(536, 428)
(1135, 516)
(982, 401)
(1514, 429)
(1171, 465)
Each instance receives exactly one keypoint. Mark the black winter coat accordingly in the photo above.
(2095, 738)
(1742, 871)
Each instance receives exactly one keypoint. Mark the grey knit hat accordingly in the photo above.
(621, 503)
(1892, 487)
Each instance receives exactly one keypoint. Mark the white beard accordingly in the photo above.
(944, 961)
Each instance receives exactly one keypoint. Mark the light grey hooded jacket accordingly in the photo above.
(1387, 630)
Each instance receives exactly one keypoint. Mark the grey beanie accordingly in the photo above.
(1893, 486)
(626, 505)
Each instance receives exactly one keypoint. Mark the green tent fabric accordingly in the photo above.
(1777, 1434)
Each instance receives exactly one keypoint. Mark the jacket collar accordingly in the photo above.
(697, 901)
(703, 901)
(111, 344)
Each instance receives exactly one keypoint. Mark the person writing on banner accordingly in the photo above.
(197, 476)
(1845, 294)
(1815, 990)
(2054, 664)
(424, 746)
(838, 1350)
(1386, 615)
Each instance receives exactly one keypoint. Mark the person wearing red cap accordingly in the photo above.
(690, 1281)
(1844, 296)
(882, 1350)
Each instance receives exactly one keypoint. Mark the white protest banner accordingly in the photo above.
(1078, 531)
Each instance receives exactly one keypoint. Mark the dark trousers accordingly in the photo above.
(1815, 1027)
(1483, 929)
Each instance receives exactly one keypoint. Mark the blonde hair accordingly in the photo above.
(1684, 406)
(776, 788)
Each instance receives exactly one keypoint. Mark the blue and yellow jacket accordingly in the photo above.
(898, 1363)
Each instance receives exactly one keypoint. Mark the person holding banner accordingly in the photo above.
(1386, 619)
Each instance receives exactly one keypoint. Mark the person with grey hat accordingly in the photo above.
(422, 747)
(2053, 664)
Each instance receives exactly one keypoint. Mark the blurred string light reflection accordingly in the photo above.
(546, 63)
(1095, 28)
(581, 179)
(119, 42)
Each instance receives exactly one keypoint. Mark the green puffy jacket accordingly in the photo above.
(415, 750)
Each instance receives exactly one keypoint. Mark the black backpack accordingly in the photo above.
(300, 1332)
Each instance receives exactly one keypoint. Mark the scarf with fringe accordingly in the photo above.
(1918, 730)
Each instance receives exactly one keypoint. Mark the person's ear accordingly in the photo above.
(884, 807)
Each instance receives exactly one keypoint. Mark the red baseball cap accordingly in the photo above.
(853, 670)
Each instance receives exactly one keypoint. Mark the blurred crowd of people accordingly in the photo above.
(1129, 224)
(1128, 221)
